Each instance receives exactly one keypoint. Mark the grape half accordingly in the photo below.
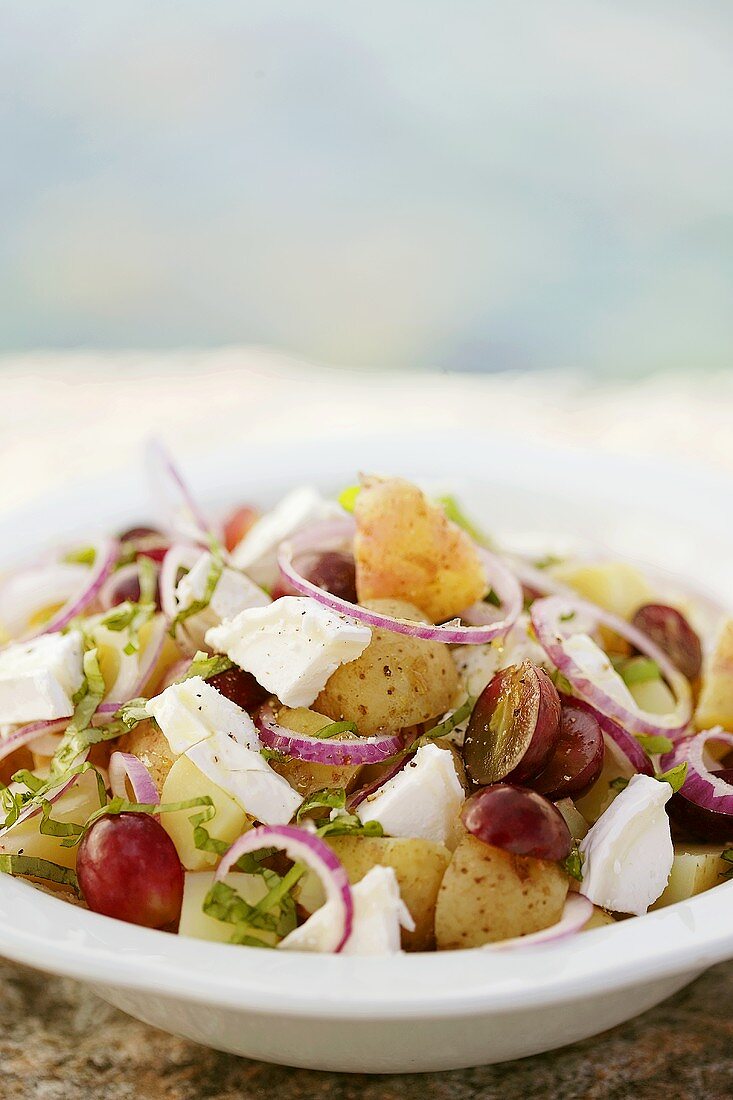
(514, 727)
(128, 868)
(577, 760)
(673, 634)
(700, 823)
(518, 821)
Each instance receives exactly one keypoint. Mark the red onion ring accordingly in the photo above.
(165, 476)
(319, 750)
(35, 587)
(302, 847)
(701, 785)
(123, 766)
(105, 557)
(625, 742)
(576, 913)
(503, 583)
(547, 619)
(180, 556)
(107, 592)
(27, 734)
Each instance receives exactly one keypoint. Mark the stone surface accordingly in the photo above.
(60, 1042)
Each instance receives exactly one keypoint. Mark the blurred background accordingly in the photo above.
(220, 218)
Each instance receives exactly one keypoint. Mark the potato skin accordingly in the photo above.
(419, 866)
(396, 682)
(489, 895)
(147, 742)
(304, 776)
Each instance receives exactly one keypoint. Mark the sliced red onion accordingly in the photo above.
(108, 591)
(538, 580)
(26, 735)
(702, 786)
(557, 618)
(625, 742)
(105, 557)
(502, 581)
(302, 847)
(124, 766)
(319, 750)
(575, 915)
(146, 665)
(172, 492)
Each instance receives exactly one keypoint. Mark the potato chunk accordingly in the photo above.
(489, 895)
(406, 548)
(418, 864)
(148, 742)
(615, 586)
(715, 706)
(396, 682)
(183, 782)
(696, 868)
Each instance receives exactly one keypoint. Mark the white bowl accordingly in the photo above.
(409, 1012)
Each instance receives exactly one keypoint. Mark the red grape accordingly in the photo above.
(129, 589)
(333, 571)
(514, 726)
(237, 524)
(239, 686)
(699, 823)
(673, 634)
(518, 821)
(128, 868)
(139, 533)
(577, 760)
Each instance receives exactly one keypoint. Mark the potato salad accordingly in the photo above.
(357, 724)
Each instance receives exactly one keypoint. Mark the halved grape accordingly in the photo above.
(333, 571)
(514, 726)
(128, 868)
(699, 823)
(518, 821)
(239, 686)
(237, 524)
(672, 633)
(577, 760)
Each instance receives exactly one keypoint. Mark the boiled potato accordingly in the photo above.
(418, 864)
(306, 777)
(488, 895)
(148, 742)
(599, 918)
(77, 805)
(405, 548)
(183, 782)
(715, 705)
(614, 585)
(396, 682)
(696, 867)
(194, 922)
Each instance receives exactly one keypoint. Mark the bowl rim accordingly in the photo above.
(48, 933)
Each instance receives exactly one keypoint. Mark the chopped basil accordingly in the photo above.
(492, 598)
(573, 864)
(727, 855)
(453, 720)
(654, 745)
(347, 497)
(675, 776)
(131, 617)
(331, 798)
(567, 616)
(333, 729)
(206, 666)
(350, 825)
(548, 561)
(83, 555)
(78, 734)
(32, 867)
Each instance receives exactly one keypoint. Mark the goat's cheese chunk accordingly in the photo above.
(256, 554)
(291, 647)
(596, 665)
(424, 799)
(39, 678)
(244, 775)
(628, 853)
(233, 593)
(194, 711)
(379, 913)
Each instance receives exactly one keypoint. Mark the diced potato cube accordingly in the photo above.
(76, 806)
(185, 781)
(598, 919)
(194, 922)
(696, 867)
(615, 585)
